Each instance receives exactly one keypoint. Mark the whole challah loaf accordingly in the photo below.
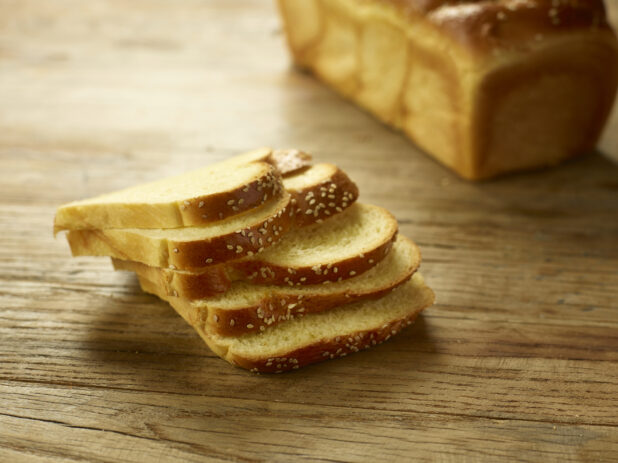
(485, 86)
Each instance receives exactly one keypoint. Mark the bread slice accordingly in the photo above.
(317, 336)
(332, 251)
(320, 192)
(195, 198)
(249, 308)
(191, 248)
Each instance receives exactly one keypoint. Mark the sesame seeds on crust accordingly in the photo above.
(336, 347)
(213, 208)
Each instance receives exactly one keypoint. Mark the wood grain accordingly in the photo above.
(518, 361)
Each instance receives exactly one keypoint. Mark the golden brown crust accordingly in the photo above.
(325, 349)
(191, 255)
(483, 25)
(325, 200)
(263, 272)
(199, 211)
(197, 255)
(218, 278)
(271, 311)
(581, 86)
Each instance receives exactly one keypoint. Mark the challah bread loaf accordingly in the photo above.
(246, 307)
(335, 250)
(485, 86)
(317, 336)
(195, 198)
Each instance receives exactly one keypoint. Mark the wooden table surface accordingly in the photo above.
(518, 359)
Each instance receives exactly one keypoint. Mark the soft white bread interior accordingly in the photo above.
(335, 250)
(191, 248)
(486, 87)
(317, 336)
(195, 198)
(246, 308)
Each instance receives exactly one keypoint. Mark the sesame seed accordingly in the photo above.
(216, 317)
(176, 250)
(209, 260)
(352, 273)
(232, 322)
(240, 201)
(201, 204)
(172, 266)
(230, 247)
(230, 202)
(249, 326)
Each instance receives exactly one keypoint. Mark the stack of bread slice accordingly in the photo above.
(269, 257)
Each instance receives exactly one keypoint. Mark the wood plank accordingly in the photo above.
(243, 431)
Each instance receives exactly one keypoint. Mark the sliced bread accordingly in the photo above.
(195, 198)
(335, 250)
(318, 336)
(246, 308)
(191, 248)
